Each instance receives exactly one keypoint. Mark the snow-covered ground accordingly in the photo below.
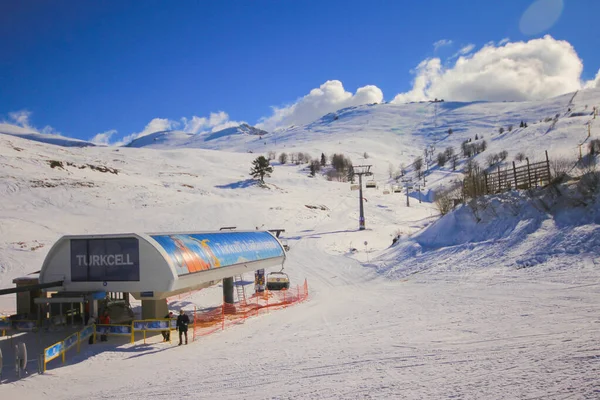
(501, 309)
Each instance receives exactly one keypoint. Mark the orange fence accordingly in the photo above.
(208, 321)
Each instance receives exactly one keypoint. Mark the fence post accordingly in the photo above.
(515, 175)
(133, 334)
(486, 181)
(528, 174)
(548, 167)
(63, 352)
(194, 331)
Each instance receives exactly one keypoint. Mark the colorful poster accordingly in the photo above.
(199, 252)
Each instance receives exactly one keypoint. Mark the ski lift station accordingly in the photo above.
(149, 267)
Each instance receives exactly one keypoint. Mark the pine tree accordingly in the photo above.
(261, 168)
(323, 159)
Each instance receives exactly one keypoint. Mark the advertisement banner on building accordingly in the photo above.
(105, 260)
(199, 252)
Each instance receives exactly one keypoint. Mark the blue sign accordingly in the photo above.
(113, 329)
(192, 253)
(146, 294)
(151, 325)
(70, 341)
(53, 351)
(86, 332)
(5, 324)
(105, 260)
(25, 325)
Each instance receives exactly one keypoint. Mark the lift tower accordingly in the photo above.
(361, 170)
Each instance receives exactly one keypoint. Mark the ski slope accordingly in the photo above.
(455, 309)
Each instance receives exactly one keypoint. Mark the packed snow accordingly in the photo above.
(498, 302)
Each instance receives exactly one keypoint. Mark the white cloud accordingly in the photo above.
(540, 16)
(330, 96)
(594, 83)
(156, 125)
(20, 118)
(441, 43)
(537, 69)
(467, 49)
(104, 137)
(215, 122)
(196, 125)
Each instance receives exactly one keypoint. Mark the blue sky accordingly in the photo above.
(88, 67)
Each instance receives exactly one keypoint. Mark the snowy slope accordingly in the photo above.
(209, 140)
(501, 309)
(13, 130)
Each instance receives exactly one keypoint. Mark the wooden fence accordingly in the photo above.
(500, 180)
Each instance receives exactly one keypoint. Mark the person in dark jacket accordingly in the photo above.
(167, 334)
(104, 320)
(182, 325)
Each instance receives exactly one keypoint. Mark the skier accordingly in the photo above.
(167, 334)
(182, 325)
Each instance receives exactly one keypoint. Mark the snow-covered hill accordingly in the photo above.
(222, 140)
(449, 311)
(59, 140)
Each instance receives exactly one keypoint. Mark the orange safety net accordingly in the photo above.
(209, 321)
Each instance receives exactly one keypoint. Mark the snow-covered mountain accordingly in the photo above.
(223, 139)
(498, 306)
(25, 133)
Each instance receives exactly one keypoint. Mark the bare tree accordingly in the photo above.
(315, 166)
(445, 197)
(503, 155)
(283, 158)
(520, 157)
(390, 170)
(501, 130)
(560, 168)
(454, 160)
(272, 155)
(300, 158)
(441, 159)
(594, 147)
(418, 164)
